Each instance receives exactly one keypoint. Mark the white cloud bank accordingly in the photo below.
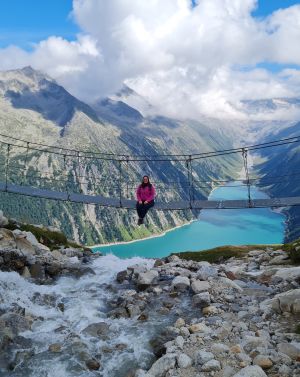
(185, 61)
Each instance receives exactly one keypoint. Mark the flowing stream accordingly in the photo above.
(86, 301)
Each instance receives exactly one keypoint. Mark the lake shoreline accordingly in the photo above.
(156, 235)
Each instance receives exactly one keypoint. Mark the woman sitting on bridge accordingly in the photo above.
(145, 195)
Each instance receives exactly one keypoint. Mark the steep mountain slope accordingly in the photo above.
(34, 107)
(281, 171)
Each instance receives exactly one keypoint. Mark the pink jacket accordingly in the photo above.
(145, 193)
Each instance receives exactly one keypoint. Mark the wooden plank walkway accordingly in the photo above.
(130, 204)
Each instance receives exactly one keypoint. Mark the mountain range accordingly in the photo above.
(34, 107)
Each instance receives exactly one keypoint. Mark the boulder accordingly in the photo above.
(201, 300)
(227, 283)
(206, 270)
(3, 220)
(145, 279)
(184, 361)
(202, 357)
(121, 276)
(251, 371)
(199, 328)
(287, 302)
(100, 329)
(289, 274)
(162, 365)
(180, 283)
(199, 286)
(211, 366)
(92, 364)
(290, 349)
(263, 361)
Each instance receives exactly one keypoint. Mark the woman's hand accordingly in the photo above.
(146, 202)
(140, 202)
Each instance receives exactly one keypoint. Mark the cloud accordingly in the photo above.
(185, 60)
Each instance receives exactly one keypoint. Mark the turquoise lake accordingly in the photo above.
(213, 228)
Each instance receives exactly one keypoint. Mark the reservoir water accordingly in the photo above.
(213, 228)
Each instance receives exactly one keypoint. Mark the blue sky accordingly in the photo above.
(24, 22)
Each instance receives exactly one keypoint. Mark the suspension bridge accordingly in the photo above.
(106, 179)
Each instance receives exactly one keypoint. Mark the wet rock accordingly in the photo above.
(55, 348)
(121, 276)
(26, 273)
(145, 279)
(251, 371)
(133, 310)
(14, 322)
(118, 313)
(158, 263)
(37, 271)
(92, 364)
(180, 283)
(97, 330)
(179, 323)
(143, 317)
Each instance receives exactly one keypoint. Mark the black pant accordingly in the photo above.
(143, 208)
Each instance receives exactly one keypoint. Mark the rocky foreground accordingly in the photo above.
(234, 318)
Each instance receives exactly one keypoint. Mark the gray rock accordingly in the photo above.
(292, 273)
(218, 348)
(162, 365)
(251, 371)
(180, 283)
(206, 270)
(211, 366)
(100, 329)
(3, 219)
(37, 271)
(229, 284)
(199, 286)
(184, 361)
(202, 357)
(287, 302)
(201, 300)
(145, 279)
(284, 370)
(290, 349)
(121, 276)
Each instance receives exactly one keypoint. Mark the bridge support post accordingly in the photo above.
(120, 183)
(245, 159)
(190, 180)
(7, 166)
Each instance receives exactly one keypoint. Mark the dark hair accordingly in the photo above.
(143, 184)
